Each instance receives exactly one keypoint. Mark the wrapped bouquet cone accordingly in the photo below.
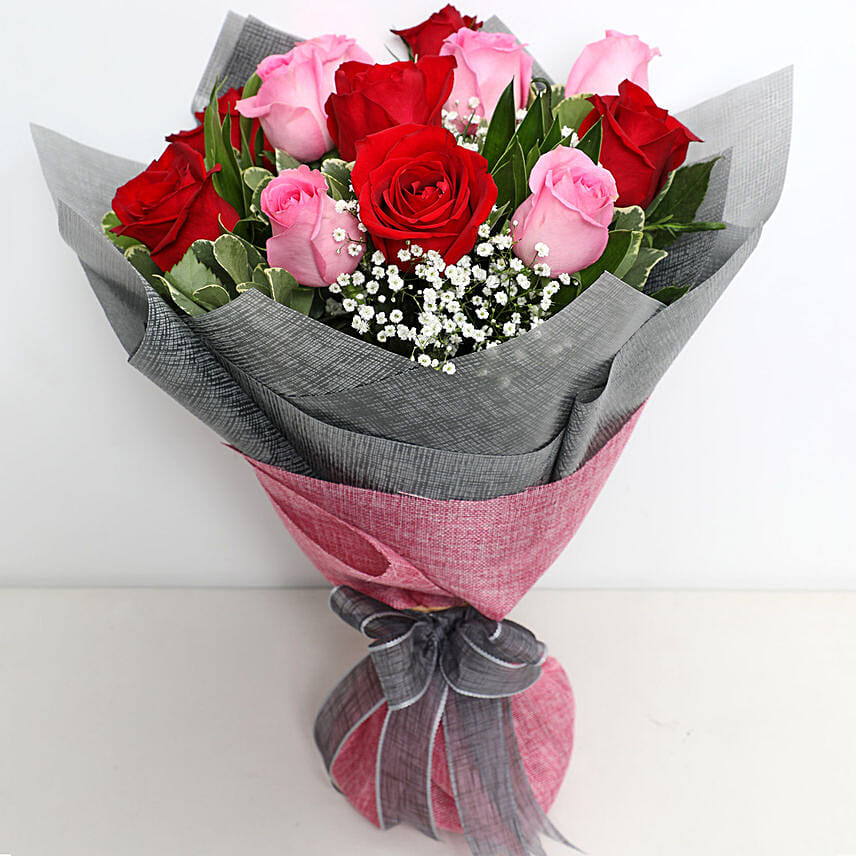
(433, 501)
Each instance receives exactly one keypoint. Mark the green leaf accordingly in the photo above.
(249, 155)
(684, 194)
(254, 255)
(185, 277)
(211, 127)
(123, 242)
(301, 299)
(204, 252)
(501, 127)
(282, 285)
(652, 207)
(338, 175)
(184, 303)
(530, 131)
(228, 182)
(570, 112)
(590, 142)
(632, 218)
(211, 296)
(662, 234)
(521, 175)
(553, 138)
(253, 176)
(285, 161)
(141, 259)
(231, 255)
(646, 259)
(670, 293)
(619, 256)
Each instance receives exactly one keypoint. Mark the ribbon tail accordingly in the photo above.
(479, 772)
(404, 755)
(498, 810)
(352, 701)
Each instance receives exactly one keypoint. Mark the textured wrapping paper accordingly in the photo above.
(293, 393)
(413, 487)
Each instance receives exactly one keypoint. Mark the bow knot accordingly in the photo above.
(454, 668)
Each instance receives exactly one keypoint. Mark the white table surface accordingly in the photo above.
(158, 722)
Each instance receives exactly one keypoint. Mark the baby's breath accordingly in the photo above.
(432, 312)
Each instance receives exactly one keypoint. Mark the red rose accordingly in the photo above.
(416, 184)
(171, 204)
(425, 39)
(641, 144)
(195, 138)
(371, 98)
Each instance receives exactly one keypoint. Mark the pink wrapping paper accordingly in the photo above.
(409, 551)
(543, 725)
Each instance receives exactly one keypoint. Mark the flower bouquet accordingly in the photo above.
(427, 300)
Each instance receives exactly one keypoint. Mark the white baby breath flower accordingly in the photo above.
(349, 304)
(484, 230)
(355, 249)
(449, 368)
(404, 255)
(541, 269)
(396, 316)
(358, 278)
(509, 328)
(339, 235)
(565, 278)
(335, 288)
(362, 227)
(366, 312)
(485, 249)
(522, 280)
(482, 313)
(424, 360)
(341, 206)
(416, 251)
(515, 264)
(359, 324)
(377, 258)
(520, 115)
(542, 250)
(372, 287)
(567, 131)
(473, 102)
(501, 298)
(382, 336)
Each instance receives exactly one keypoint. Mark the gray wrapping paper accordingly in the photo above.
(289, 391)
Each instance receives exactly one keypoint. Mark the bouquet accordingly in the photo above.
(426, 300)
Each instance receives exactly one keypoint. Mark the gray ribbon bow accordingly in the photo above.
(454, 667)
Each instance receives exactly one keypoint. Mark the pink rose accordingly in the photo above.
(295, 86)
(603, 65)
(303, 219)
(487, 62)
(569, 211)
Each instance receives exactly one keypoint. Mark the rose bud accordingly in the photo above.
(487, 62)
(641, 142)
(603, 65)
(570, 210)
(171, 204)
(371, 98)
(416, 185)
(303, 220)
(426, 38)
(295, 86)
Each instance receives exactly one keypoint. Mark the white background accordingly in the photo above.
(740, 473)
